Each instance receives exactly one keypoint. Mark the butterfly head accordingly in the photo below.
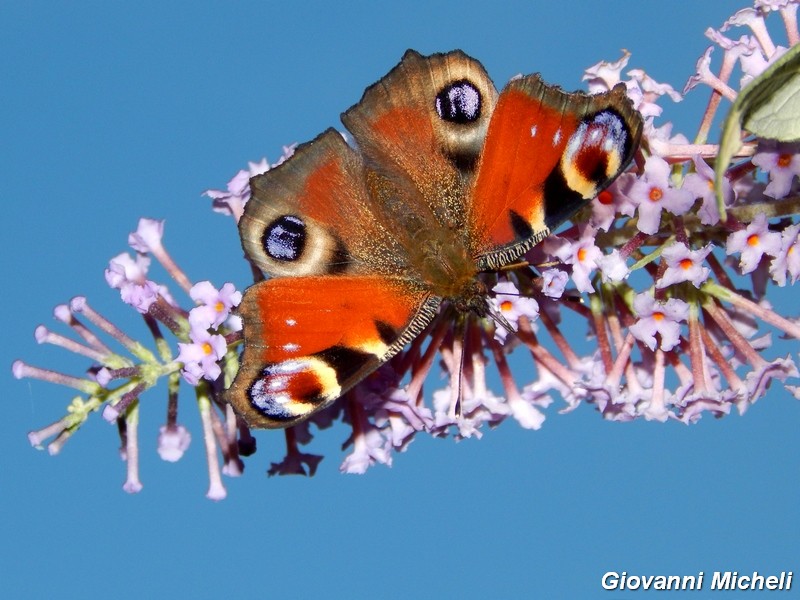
(472, 298)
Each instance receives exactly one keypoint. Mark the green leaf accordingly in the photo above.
(769, 107)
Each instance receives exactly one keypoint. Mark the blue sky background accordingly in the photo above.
(113, 111)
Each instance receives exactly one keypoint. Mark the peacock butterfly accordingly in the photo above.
(448, 180)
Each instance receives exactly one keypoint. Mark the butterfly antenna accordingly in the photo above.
(501, 321)
(520, 264)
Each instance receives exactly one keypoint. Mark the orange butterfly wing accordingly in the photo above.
(340, 301)
(546, 154)
(401, 126)
(310, 339)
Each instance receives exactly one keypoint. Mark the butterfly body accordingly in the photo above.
(364, 245)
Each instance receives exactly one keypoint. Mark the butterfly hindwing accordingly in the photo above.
(547, 153)
(310, 339)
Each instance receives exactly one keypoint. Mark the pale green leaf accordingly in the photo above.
(768, 107)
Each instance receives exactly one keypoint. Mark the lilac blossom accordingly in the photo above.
(231, 201)
(201, 357)
(554, 281)
(684, 264)
(753, 242)
(788, 258)
(653, 193)
(129, 276)
(613, 266)
(701, 184)
(782, 162)
(658, 318)
(214, 305)
(173, 442)
(581, 253)
(612, 202)
(511, 305)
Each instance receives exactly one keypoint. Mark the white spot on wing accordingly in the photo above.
(290, 347)
(288, 367)
(291, 322)
(557, 137)
(283, 398)
(533, 131)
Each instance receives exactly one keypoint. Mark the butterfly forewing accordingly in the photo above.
(422, 126)
(313, 215)
(342, 299)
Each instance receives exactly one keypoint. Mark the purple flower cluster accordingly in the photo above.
(672, 293)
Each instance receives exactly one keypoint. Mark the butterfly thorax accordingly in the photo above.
(450, 273)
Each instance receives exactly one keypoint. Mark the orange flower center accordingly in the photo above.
(784, 160)
(506, 305)
(605, 197)
(656, 194)
(207, 348)
(752, 240)
(658, 316)
(686, 263)
(581, 254)
(219, 306)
